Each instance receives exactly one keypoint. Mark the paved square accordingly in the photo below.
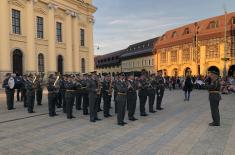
(182, 128)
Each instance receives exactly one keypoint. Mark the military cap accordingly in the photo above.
(51, 76)
(105, 74)
(30, 75)
(8, 74)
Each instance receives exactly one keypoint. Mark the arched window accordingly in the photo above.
(83, 65)
(40, 63)
(60, 64)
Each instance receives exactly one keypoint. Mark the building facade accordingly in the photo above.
(109, 63)
(139, 57)
(46, 36)
(197, 47)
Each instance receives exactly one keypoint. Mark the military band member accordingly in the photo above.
(160, 81)
(52, 95)
(121, 98)
(214, 96)
(115, 93)
(39, 90)
(9, 92)
(100, 95)
(107, 94)
(30, 93)
(94, 89)
(70, 88)
(151, 92)
(131, 96)
(143, 94)
(23, 90)
(62, 91)
(78, 95)
(85, 98)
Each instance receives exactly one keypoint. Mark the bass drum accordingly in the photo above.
(11, 83)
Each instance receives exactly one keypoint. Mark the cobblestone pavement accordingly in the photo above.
(182, 128)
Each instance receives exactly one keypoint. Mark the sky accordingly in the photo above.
(120, 23)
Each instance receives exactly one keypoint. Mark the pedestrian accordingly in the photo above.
(187, 87)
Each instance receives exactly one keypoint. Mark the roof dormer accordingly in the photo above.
(213, 24)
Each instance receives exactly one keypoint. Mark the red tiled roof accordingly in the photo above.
(203, 31)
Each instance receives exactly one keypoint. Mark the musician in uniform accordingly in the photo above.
(214, 96)
(122, 89)
(70, 88)
(99, 97)
(52, 95)
(143, 94)
(131, 96)
(78, 95)
(151, 92)
(39, 90)
(94, 89)
(23, 90)
(84, 93)
(9, 90)
(160, 88)
(62, 91)
(59, 100)
(115, 93)
(107, 94)
(30, 93)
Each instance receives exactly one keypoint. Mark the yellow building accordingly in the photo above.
(46, 36)
(139, 57)
(197, 47)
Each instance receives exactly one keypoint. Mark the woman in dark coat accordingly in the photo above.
(187, 87)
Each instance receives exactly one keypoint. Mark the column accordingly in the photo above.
(30, 49)
(90, 45)
(68, 35)
(52, 58)
(76, 43)
(203, 68)
(5, 56)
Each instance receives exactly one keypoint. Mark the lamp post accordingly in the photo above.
(197, 54)
(225, 58)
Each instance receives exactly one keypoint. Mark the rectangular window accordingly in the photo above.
(59, 32)
(163, 57)
(186, 55)
(82, 33)
(174, 56)
(233, 20)
(40, 26)
(16, 21)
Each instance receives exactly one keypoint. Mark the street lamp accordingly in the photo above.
(225, 58)
(196, 46)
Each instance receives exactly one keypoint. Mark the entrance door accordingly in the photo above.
(17, 62)
(60, 64)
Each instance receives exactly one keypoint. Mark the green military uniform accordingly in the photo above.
(131, 99)
(143, 94)
(30, 94)
(121, 99)
(52, 96)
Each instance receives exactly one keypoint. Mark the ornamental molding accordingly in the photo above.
(40, 10)
(18, 3)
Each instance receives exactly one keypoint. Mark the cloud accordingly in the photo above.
(118, 22)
